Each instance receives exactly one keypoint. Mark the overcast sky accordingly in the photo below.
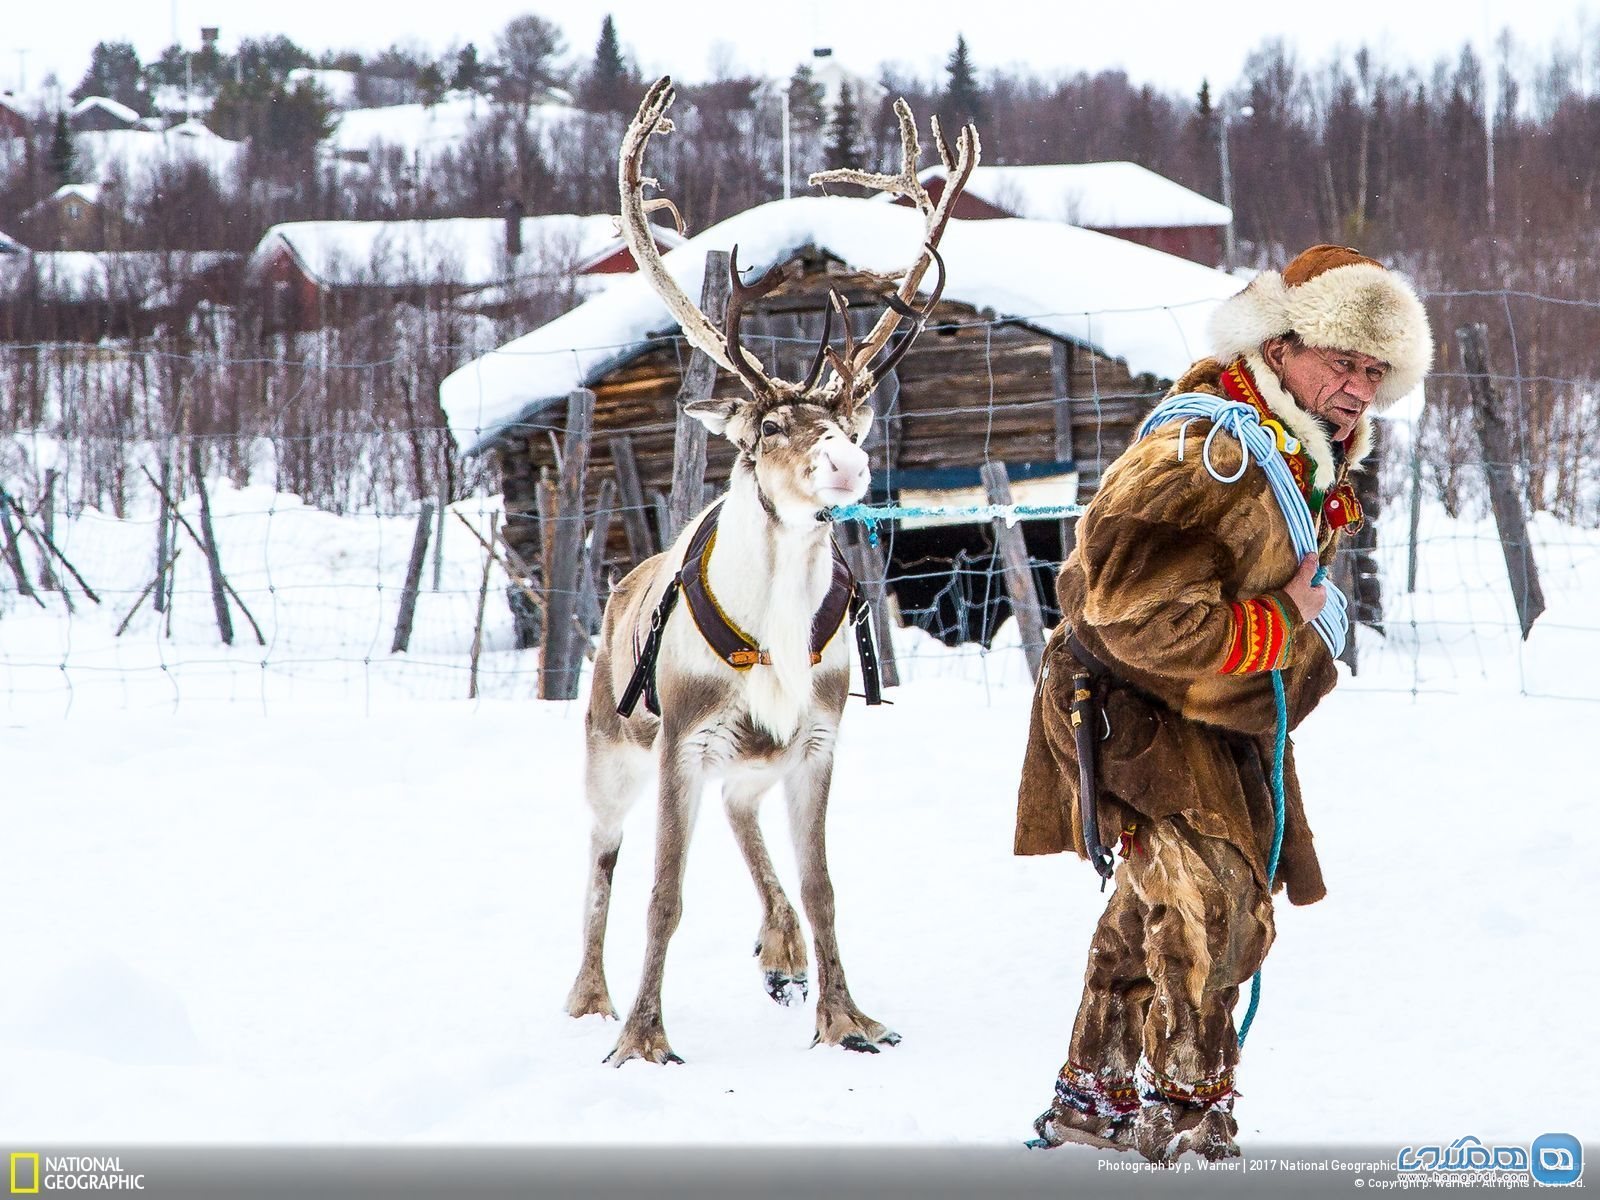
(1171, 43)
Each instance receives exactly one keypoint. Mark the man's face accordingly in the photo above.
(1335, 385)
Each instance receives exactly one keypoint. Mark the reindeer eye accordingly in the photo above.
(770, 429)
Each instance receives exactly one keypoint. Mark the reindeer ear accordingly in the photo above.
(714, 413)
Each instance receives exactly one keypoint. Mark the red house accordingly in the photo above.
(1122, 199)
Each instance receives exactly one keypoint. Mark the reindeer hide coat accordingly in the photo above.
(1162, 553)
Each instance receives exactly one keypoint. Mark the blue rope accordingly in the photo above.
(871, 514)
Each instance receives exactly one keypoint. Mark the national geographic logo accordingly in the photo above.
(29, 1174)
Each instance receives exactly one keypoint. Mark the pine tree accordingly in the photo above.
(844, 132)
(805, 99)
(430, 85)
(63, 158)
(962, 103)
(468, 75)
(606, 88)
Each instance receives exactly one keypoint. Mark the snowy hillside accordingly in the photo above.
(312, 893)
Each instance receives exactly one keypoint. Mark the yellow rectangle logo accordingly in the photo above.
(25, 1188)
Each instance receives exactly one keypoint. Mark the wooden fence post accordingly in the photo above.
(1018, 573)
(13, 555)
(408, 595)
(699, 380)
(1489, 419)
(483, 603)
(591, 582)
(219, 595)
(47, 518)
(866, 561)
(635, 523)
(1061, 386)
(558, 665)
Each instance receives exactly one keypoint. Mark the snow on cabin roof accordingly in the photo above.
(89, 193)
(10, 245)
(459, 251)
(136, 154)
(118, 110)
(1123, 300)
(1102, 195)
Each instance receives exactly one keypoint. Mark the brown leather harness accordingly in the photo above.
(730, 643)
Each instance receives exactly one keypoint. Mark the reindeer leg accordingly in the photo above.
(614, 775)
(643, 1035)
(839, 1021)
(780, 946)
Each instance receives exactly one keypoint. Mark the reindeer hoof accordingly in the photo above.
(862, 1043)
(650, 1047)
(787, 990)
(859, 1044)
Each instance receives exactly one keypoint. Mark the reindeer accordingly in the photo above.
(751, 690)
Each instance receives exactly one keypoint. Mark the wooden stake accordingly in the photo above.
(148, 588)
(1489, 419)
(1018, 572)
(413, 585)
(47, 547)
(635, 520)
(483, 600)
(699, 381)
(219, 595)
(199, 541)
(13, 556)
(558, 666)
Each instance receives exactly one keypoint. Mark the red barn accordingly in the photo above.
(1122, 199)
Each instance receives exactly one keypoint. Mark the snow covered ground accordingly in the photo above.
(329, 899)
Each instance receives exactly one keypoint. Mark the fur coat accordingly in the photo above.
(1174, 584)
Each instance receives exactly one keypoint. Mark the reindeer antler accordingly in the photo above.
(958, 169)
(854, 378)
(631, 182)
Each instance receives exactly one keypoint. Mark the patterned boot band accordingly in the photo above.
(1110, 1096)
(1215, 1092)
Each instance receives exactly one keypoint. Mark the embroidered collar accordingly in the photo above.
(1334, 504)
(731, 643)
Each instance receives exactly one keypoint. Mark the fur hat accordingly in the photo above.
(1338, 299)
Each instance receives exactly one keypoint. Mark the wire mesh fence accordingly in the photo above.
(313, 525)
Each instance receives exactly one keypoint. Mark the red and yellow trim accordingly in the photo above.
(1261, 637)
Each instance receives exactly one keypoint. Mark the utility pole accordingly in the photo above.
(784, 97)
(1228, 248)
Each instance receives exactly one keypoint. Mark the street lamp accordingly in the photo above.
(1244, 110)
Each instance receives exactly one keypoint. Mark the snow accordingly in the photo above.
(462, 251)
(327, 899)
(117, 109)
(135, 155)
(423, 133)
(1100, 195)
(75, 276)
(1125, 300)
(338, 86)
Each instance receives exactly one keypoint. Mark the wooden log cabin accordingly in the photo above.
(1025, 361)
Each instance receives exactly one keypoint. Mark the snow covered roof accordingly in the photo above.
(423, 132)
(459, 251)
(136, 154)
(89, 193)
(1103, 195)
(118, 110)
(10, 245)
(1124, 300)
(78, 276)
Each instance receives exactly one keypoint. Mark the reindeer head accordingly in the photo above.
(802, 440)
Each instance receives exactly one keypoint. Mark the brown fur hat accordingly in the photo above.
(1339, 299)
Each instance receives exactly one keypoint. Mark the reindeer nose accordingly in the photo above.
(842, 465)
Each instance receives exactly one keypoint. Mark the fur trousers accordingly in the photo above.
(1186, 925)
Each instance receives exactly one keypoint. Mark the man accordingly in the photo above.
(1183, 596)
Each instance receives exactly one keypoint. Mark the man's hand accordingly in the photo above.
(1308, 597)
